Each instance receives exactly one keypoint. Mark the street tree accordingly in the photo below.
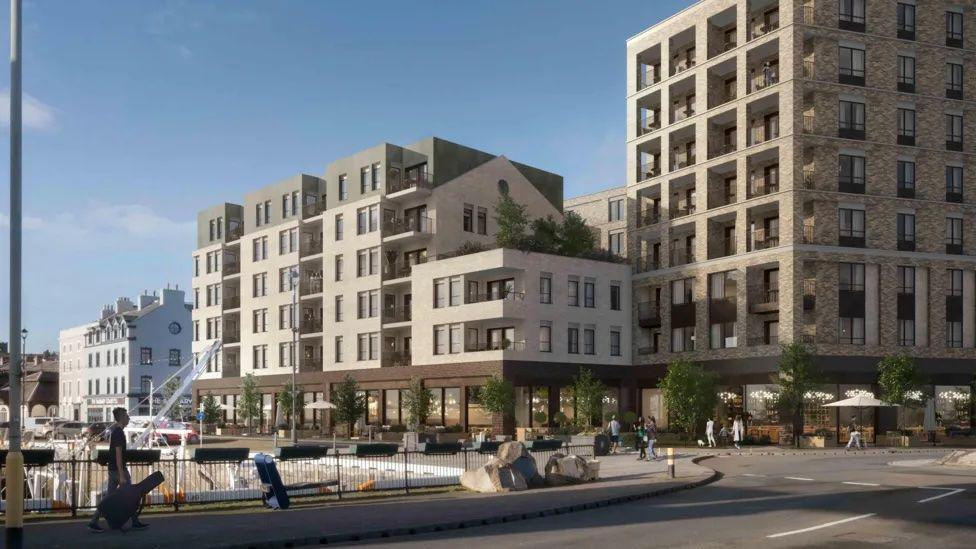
(798, 376)
(290, 401)
(588, 393)
(249, 402)
(180, 410)
(497, 396)
(418, 402)
(350, 403)
(689, 393)
(899, 380)
(211, 409)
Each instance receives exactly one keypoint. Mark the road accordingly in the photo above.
(775, 501)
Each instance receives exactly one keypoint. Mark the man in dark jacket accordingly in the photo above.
(118, 474)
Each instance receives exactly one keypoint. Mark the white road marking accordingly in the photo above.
(949, 492)
(799, 478)
(819, 526)
(861, 483)
(752, 475)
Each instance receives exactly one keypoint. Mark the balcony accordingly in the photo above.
(310, 286)
(400, 229)
(311, 245)
(646, 264)
(232, 337)
(648, 75)
(954, 246)
(649, 350)
(726, 247)
(682, 65)
(761, 341)
(494, 296)
(809, 294)
(682, 210)
(414, 181)
(310, 364)
(311, 326)
(232, 302)
(395, 359)
(312, 209)
(682, 161)
(809, 234)
(400, 314)
(647, 126)
(761, 239)
(649, 314)
(235, 230)
(682, 257)
(232, 268)
(480, 346)
(762, 187)
(767, 301)
(722, 309)
(649, 217)
(647, 171)
(399, 270)
(808, 124)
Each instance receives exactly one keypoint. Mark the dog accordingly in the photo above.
(701, 443)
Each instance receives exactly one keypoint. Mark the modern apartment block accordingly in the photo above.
(798, 171)
(605, 211)
(398, 278)
(133, 348)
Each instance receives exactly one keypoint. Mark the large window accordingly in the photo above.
(850, 277)
(851, 120)
(614, 341)
(954, 235)
(851, 177)
(589, 294)
(572, 339)
(906, 21)
(573, 292)
(545, 288)
(954, 29)
(906, 231)
(616, 207)
(954, 132)
(545, 336)
(906, 178)
(851, 228)
(906, 126)
(954, 80)
(851, 65)
(589, 341)
(906, 73)
(953, 183)
(614, 296)
(851, 331)
(851, 14)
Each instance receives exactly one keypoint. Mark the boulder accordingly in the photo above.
(530, 471)
(959, 458)
(562, 470)
(508, 452)
(493, 477)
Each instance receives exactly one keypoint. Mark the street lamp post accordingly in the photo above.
(294, 352)
(14, 526)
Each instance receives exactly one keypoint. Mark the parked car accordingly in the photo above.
(36, 425)
(69, 429)
(192, 437)
(51, 427)
(101, 427)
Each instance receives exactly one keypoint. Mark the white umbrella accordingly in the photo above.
(319, 405)
(859, 401)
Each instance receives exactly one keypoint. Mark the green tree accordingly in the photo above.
(689, 393)
(211, 409)
(290, 401)
(497, 396)
(512, 221)
(418, 401)
(588, 393)
(249, 403)
(179, 411)
(350, 403)
(546, 235)
(898, 378)
(798, 375)
(576, 238)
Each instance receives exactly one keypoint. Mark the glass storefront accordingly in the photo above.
(477, 416)
(762, 419)
(523, 406)
(730, 404)
(436, 407)
(652, 405)
(566, 403)
(391, 406)
(952, 408)
(862, 416)
(540, 406)
(373, 407)
(817, 419)
(611, 404)
(452, 406)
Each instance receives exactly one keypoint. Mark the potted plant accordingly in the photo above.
(821, 438)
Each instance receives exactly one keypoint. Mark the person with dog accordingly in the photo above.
(738, 432)
(651, 437)
(118, 474)
(614, 428)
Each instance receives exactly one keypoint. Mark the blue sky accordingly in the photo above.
(139, 114)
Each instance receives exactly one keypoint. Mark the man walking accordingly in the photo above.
(118, 475)
(651, 437)
(855, 437)
(710, 432)
(614, 428)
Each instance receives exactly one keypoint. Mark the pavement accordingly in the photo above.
(623, 479)
(807, 499)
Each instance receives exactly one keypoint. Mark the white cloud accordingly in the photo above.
(37, 115)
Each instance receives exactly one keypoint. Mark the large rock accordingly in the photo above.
(960, 458)
(530, 471)
(493, 477)
(562, 470)
(508, 452)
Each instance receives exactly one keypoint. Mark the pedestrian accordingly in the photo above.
(638, 441)
(640, 435)
(737, 432)
(118, 475)
(651, 437)
(710, 432)
(723, 435)
(855, 437)
(614, 428)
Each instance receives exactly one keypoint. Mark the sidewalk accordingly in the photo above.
(623, 479)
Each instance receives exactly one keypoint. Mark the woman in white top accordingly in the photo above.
(737, 431)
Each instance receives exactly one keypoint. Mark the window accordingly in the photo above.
(174, 357)
(954, 282)
(545, 288)
(213, 229)
(196, 265)
(338, 268)
(258, 214)
(454, 288)
(286, 280)
(851, 227)
(906, 231)
(953, 333)
(545, 336)
(851, 331)
(589, 341)
(954, 80)
(850, 277)
(851, 66)
(456, 340)
(906, 332)
(259, 284)
(682, 291)
(285, 205)
(286, 317)
(368, 303)
(616, 209)
(338, 227)
(286, 354)
(953, 183)
(467, 223)
(343, 188)
(259, 321)
(260, 355)
(615, 243)
(367, 346)
(375, 181)
(614, 296)
(851, 120)
(614, 341)
(851, 176)
(364, 180)
(954, 132)
(482, 220)
(683, 339)
(338, 349)
(953, 235)
(288, 241)
(906, 126)
(573, 292)
(954, 29)
(906, 74)
(572, 339)
(260, 248)
(906, 21)
(145, 356)
(338, 308)
(851, 16)
(589, 294)
(440, 293)
(906, 178)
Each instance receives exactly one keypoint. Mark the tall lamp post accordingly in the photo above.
(23, 370)
(294, 352)
(14, 527)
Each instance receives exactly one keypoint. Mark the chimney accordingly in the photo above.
(146, 300)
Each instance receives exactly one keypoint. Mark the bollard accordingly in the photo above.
(670, 462)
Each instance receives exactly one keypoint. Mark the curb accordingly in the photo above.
(837, 452)
(472, 523)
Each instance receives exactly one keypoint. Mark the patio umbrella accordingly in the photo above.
(860, 401)
(319, 405)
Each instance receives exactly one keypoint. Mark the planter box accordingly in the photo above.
(807, 441)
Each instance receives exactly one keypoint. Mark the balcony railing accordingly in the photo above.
(235, 230)
(311, 209)
(727, 247)
(762, 240)
(399, 314)
(759, 341)
(646, 126)
(310, 286)
(809, 125)
(809, 234)
(646, 264)
(649, 217)
(762, 187)
(232, 302)
(311, 325)
(310, 364)
(231, 268)
(232, 337)
(395, 359)
(809, 16)
(648, 75)
(474, 347)
(649, 313)
(809, 294)
(420, 224)
(764, 29)
(808, 178)
(649, 350)
(647, 171)
(682, 161)
(683, 65)
(494, 296)
(310, 246)
(682, 210)
(682, 257)
(423, 180)
(400, 269)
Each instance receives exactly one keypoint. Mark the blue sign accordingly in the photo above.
(200, 415)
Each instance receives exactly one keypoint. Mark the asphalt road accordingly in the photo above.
(776, 501)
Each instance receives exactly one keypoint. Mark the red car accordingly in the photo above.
(192, 437)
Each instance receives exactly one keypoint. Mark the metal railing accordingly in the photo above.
(762, 187)
(310, 286)
(682, 161)
(647, 171)
(312, 209)
(648, 311)
(423, 180)
(76, 485)
(393, 271)
(647, 126)
(474, 347)
(231, 268)
(419, 224)
(648, 76)
(682, 257)
(809, 16)
(650, 217)
(682, 210)
(809, 234)
(494, 296)
(646, 264)
(232, 302)
(311, 325)
(310, 246)
(399, 314)
(396, 359)
(232, 337)
(762, 241)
